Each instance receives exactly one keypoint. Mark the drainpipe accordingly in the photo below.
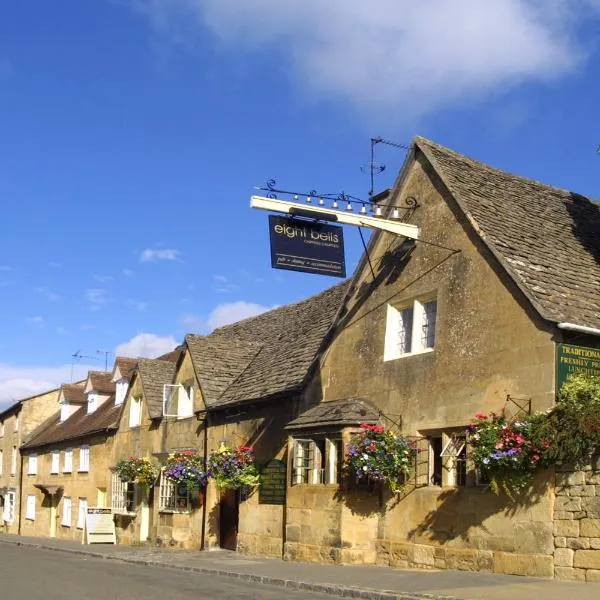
(203, 531)
(20, 494)
(579, 328)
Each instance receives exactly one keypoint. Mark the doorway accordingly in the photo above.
(229, 513)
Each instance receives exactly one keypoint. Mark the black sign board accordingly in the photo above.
(299, 245)
(272, 483)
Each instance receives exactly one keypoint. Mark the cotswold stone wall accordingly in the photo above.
(577, 523)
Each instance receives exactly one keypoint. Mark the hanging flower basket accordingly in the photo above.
(233, 468)
(380, 456)
(139, 470)
(186, 468)
(505, 451)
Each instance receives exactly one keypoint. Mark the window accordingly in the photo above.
(30, 508)
(68, 462)
(135, 412)
(92, 403)
(16, 422)
(448, 460)
(1, 462)
(65, 411)
(32, 464)
(55, 464)
(1, 428)
(317, 461)
(66, 512)
(173, 496)
(9, 506)
(81, 512)
(185, 406)
(122, 495)
(120, 391)
(435, 460)
(84, 459)
(13, 461)
(410, 329)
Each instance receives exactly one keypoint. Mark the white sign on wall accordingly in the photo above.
(100, 526)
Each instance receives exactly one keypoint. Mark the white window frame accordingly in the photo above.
(67, 508)
(173, 497)
(92, 402)
(310, 466)
(1, 428)
(16, 423)
(1, 462)
(30, 508)
(10, 500)
(55, 463)
(13, 461)
(68, 461)
(81, 512)
(394, 327)
(84, 459)
(185, 401)
(135, 411)
(123, 495)
(32, 464)
(453, 454)
(121, 386)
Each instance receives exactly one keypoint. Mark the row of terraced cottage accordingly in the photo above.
(422, 337)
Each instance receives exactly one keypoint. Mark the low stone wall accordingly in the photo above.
(577, 523)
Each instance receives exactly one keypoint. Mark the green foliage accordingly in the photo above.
(573, 426)
(138, 470)
(233, 468)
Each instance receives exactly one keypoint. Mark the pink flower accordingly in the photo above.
(481, 416)
(499, 445)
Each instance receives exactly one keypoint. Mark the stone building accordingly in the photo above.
(17, 423)
(465, 320)
(66, 460)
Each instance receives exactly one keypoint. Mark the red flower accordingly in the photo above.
(480, 416)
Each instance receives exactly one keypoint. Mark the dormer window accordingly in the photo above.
(65, 411)
(92, 403)
(121, 391)
(135, 412)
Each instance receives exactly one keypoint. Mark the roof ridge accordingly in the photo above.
(418, 140)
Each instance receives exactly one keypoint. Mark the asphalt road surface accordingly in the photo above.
(37, 574)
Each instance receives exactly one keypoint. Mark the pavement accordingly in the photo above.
(348, 581)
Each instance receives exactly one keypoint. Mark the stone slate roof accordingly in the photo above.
(153, 374)
(547, 239)
(101, 382)
(265, 355)
(77, 427)
(73, 393)
(126, 366)
(339, 413)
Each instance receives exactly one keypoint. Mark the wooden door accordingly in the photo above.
(228, 519)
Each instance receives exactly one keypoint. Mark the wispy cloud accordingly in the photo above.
(88, 327)
(128, 272)
(37, 321)
(193, 323)
(7, 283)
(230, 312)
(148, 345)
(97, 297)
(54, 265)
(401, 57)
(138, 305)
(150, 255)
(5, 268)
(223, 285)
(49, 295)
(104, 278)
(61, 331)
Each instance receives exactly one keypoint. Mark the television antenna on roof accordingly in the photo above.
(76, 357)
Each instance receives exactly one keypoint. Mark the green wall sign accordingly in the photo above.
(272, 483)
(575, 359)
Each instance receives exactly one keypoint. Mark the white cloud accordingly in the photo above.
(128, 272)
(50, 296)
(97, 298)
(17, 382)
(408, 57)
(192, 323)
(147, 345)
(230, 312)
(149, 255)
(38, 321)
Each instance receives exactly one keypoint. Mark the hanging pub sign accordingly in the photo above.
(575, 359)
(307, 246)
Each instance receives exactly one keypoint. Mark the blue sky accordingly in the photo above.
(132, 133)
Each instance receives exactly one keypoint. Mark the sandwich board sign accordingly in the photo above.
(99, 526)
(307, 246)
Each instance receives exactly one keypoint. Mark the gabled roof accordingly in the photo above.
(73, 393)
(266, 355)
(123, 368)
(154, 374)
(101, 382)
(547, 239)
(77, 427)
(339, 413)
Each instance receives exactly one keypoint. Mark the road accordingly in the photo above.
(37, 574)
